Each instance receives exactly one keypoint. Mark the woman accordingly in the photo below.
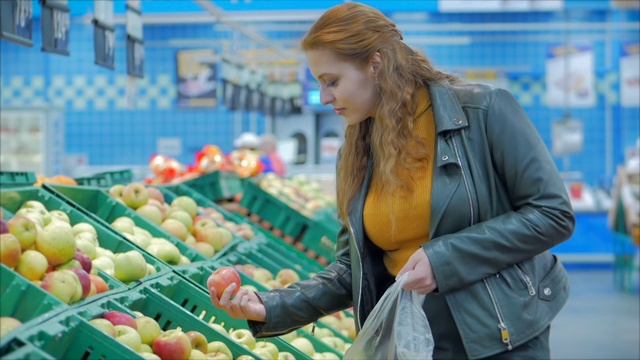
(446, 180)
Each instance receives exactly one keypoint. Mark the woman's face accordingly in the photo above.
(349, 88)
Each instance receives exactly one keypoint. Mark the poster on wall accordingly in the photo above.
(570, 77)
(197, 78)
(630, 75)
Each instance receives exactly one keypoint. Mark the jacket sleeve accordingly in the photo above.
(306, 301)
(537, 217)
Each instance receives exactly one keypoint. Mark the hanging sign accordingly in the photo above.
(197, 78)
(570, 77)
(16, 21)
(135, 47)
(104, 33)
(630, 75)
(56, 23)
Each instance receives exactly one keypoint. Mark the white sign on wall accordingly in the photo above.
(630, 76)
(570, 77)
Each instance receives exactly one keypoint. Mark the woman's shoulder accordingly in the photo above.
(477, 95)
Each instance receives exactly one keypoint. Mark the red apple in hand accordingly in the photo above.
(222, 277)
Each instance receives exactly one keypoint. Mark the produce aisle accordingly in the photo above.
(114, 268)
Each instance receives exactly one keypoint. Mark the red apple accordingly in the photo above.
(222, 277)
(100, 284)
(85, 281)
(155, 193)
(120, 318)
(172, 344)
(4, 228)
(10, 250)
(84, 260)
(135, 195)
(198, 341)
(63, 284)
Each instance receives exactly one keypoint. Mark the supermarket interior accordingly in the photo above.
(134, 120)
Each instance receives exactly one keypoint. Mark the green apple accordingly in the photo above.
(10, 250)
(201, 224)
(128, 336)
(116, 191)
(59, 215)
(287, 276)
(304, 345)
(100, 251)
(187, 204)
(151, 213)
(333, 341)
(64, 285)
(105, 264)
(57, 244)
(218, 347)
(175, 228)
(204, 249)
(164, 250)
(262, 275)
(130, 266)
(104, 325)
(219, 328)
(197, 355)
(87, 236)
(289, 336)
(82, 227)
(198, 341)
(329, 356)
(182, 216)
(211, 236)
(285, 355)
(24, 229)
(151, 270)
(144, 348)
(190, 240)
(149, 356)
(266, 350)
(32, 215)
(8, 324)
(87, 247)
(32, 265)
(243, 337)
(148, 329)
(123, 224)
(135, 195)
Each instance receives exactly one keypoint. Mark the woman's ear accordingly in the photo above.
(375, 63)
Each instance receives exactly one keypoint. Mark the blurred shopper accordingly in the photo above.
(270, 158)
(446, 180)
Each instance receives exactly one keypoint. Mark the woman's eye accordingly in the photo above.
(332, 83)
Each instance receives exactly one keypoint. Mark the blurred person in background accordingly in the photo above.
(271, 160)
(447, 181)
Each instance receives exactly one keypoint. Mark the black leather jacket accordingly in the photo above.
(498, 205)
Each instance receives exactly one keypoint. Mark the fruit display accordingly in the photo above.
(298, 192)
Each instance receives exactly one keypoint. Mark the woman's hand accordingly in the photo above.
(245, 304)
(420, 276)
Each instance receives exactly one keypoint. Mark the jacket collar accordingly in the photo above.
(447, 110)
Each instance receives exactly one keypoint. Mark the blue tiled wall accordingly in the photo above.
(101, 125)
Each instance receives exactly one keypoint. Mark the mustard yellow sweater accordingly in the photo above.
(401, 236)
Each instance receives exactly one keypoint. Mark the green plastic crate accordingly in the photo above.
(108, 238)
(318, 238)
(118, 176)
(97, 204)
(155, 305)
(193, 299)
(19, 350)
(96, 180)
(198, 274)
(11, 179)
(68, 336)
(283, 252)
(208, 185)
(25, 301)
(265, 258)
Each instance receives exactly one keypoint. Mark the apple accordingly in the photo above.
(331, 321)
(197, 355)
(87, 247)
(226, 235)
(262, 275)
(130, 266)
(190, 240)
(116, 191)
(32, 265)
(105, 252)
(327, 356)
(104, 325)
(100, 284)
(155, 193)
(164, 250)
(222, 277)
(38, 207)
(59, 215)
(348, 325)
(82, 227)
(135, 195)
(73, 263)
(8, 324)
(287, 276)
(24, 229)
(149, 356)
(198, 341)
(266, 350)
(117, 317)
(321, 332)
(57, 244)
(219, 328)
(128, 336)
(181, 215)
(64, 285)
(4, 228)
(32, 215)
(123, 224)
(334, 341)
(148, 328)
(10, 250)
(243, 337)
(204, 248)
(85, 281)
(187, 204)
(289, 336)
(84, 260)
(218, 347)
(304, 345)
(212, 236)
(285, 355)
(144, 348)
(151, 270)
(103, 263)
(175, 228)
(151, 213)
(202, 224)
(172, 344)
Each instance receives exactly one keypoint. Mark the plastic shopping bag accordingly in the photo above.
(397, 328)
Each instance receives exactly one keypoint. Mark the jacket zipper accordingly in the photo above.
(355, 242)
(504, 332)
(527, 280)
(464, 178)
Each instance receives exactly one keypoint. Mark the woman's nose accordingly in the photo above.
(325, 98)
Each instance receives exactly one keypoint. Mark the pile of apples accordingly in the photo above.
(180, 218)
(264, 277)
(63, 258)
(297, 192)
